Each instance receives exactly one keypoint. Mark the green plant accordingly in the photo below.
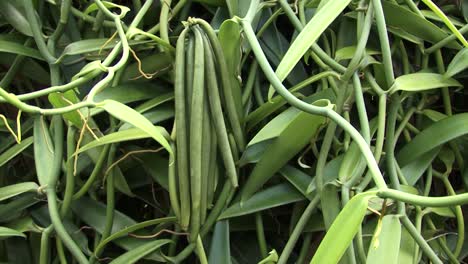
(145, 131)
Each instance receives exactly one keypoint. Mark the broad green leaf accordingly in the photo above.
(30, 68)
(330, 203)
(43, 150)
(347, 53)
(12, 11)
(407, 247)
(93, 153)
(11, 210)
(339, 238)
(129, 115)
(138, 253)
(19, 49)
(298, 179)
(65, 99)
(292, 130)
(94, 45)
(415, 169)
(129, 92)
(311, 32)
(442, 211)
(124, 232)
(434, 115)
(8, 232)
(385, 244)
(220, 251)
(93, 213)
(353, 163)
(155, 102)
(397, 16)
(151, 65)
(16, 189)
(433, 16)
(435, 135)
(155, 116)
(119, 136)
(15, 150)
(25, 224)
(275, 45)
(93, 7)
(458, 64)
(157, 167)
(268, 108)
(416, 82)
(19, 250)
(269, 198)
(272, 257)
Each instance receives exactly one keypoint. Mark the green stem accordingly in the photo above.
(420, 240)
(261, 235)
(298, 230)
(324, 111)
(460, 219)
(384, 42)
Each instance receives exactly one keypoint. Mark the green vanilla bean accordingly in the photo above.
(181, 123)
(196, 134)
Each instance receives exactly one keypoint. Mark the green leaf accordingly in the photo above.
(19, 49)
(155, 102)
(265, 110)
(311, 32)
(353, 163)
(269, 198)
(93, 213)
(433, 16)
(415, 169)
(8, 232)
(16, 189)
(458, 64)
(155, 116)
(347, 53)
(138, 253)
(397, 16)
(129, 115)
(434, 115)
(441, 211)
(291, 130)
(65, 99)
(12, 11)
(339, 238)
(15, 150)
(385, 244)
(272, 257)
(407, 247)
(129, 92)
(435, 135)
(25, 224)
(298, 179)
(151, 65)
(416, 82)
(119, 136)
(157, 167)
(220, 251)
(43, 150)
(124, 232)
(94, 45)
